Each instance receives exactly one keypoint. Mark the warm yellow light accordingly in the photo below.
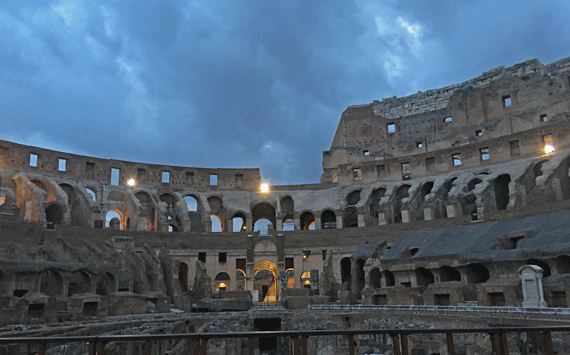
(131, 182)
(222, 285)
(264, 187)
(307, 282)
(548, 148)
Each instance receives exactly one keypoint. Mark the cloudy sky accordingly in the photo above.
(242, 83)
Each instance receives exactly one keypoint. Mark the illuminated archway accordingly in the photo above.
(306, 279)
(216, 223)
(265, 281)
(114, 214)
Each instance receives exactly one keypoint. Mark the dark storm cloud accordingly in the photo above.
(242, 84)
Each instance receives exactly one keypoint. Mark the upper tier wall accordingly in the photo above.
(72, 166)
(505, 113)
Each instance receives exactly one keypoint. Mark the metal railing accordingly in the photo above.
(460, 308)
(298, 339)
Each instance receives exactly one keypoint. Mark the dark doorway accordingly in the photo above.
(267, 324)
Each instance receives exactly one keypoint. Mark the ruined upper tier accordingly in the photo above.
(504, 114)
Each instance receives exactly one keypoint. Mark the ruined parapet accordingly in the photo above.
(137, 267)
(202, 282)
(154, 271)
(171, 283)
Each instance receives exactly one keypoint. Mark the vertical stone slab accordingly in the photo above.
(531, 281)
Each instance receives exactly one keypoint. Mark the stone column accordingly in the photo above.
(297, 222)
(339, 222)
(451, 210)
(382, 218)
(361, 221)
(406, 215)
(429, 213)
(279, 226)
(317, 223)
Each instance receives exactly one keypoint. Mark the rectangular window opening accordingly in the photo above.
(430, 164)
(141, 175)
(213, 179)
(90, 169)
(484, 152)
(61, 165)
(515, 148)
(478, 133)
(222, 257)
(324, 254)
(380, 170)
(115, 173)
(406, 171)
(166, 177)
(366, 152)
(239, 180)
(241, 264)
(189, 178)
(448, 119)
(33, 160)
(391, 128)
(202, 256)
(456, 159)
(419, 144)
(307, 255)
(357, 174)
(507, 101)
(543, 118)
(289, 263)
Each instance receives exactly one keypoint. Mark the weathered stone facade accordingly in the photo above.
(452, 190)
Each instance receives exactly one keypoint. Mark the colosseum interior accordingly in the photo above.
(447, 197)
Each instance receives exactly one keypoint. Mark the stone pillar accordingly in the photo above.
(279, 226)
(382, 218)
(531, 280)
(297, 223)
(315, 281)
(429, 213)
(406, 215)
(451, 210)
(317, 223)
(229, 225)
(361, 221)
(249, 224)
(338, 222)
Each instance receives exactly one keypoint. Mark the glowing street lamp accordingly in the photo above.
(131, 182)
(264, 188)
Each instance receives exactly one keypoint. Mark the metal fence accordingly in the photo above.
(298, 339)
(448, 309)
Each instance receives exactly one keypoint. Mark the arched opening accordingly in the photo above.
(77, 208)
(290, 277)
(169, 199)
(375, 278)
(265, 281)
(216, 223)
(335, 177)
(448, 273)
(306, 280)
(182, 276)
(350, 217)
(79, 283)
(541, 264)
(328, 220)
(469, 204)
(502, 191)
(375, 198)
(345, 271)
(401, 194)
(172, 228)
(240, 280)
(263, 211)
(113, 219)
(54, 214)
(307, 220)
(353, 198)
(288, 223)
(91, 193)
(390, 279)
(359, 278)
(191, 203)
(563, 264)
(238, 222)
(263, 226)
(477, 273)
(537, 168)
(106, 284)
(424, 277)
(471, 185)
(143, 197)
(222, 282)
(426, 188)
(51, 283)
